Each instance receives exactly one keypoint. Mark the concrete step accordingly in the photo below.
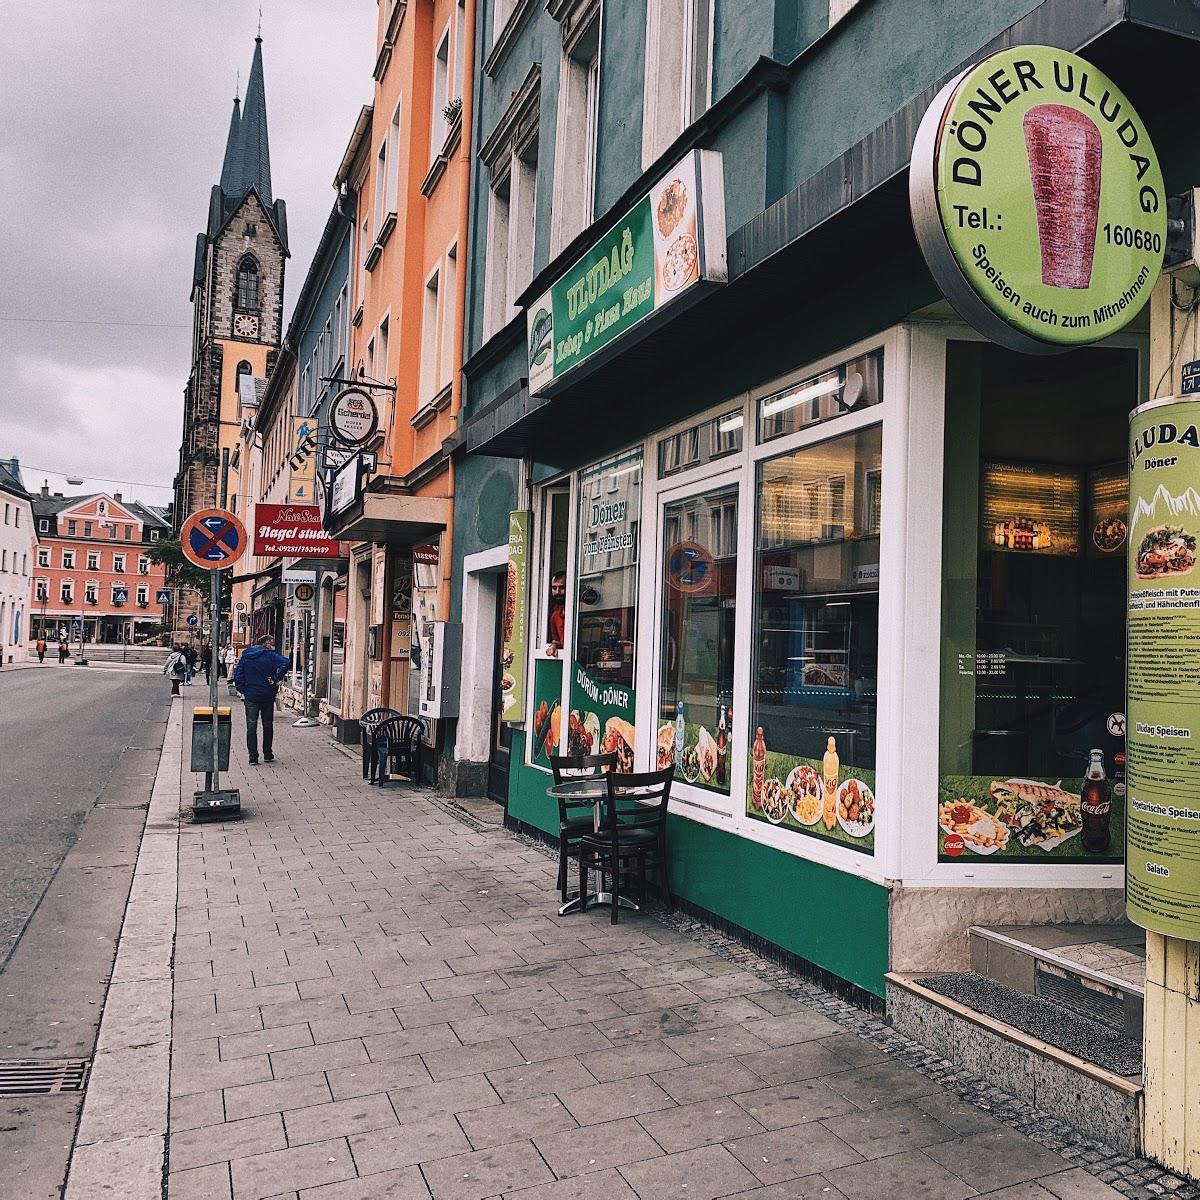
(1049, 1069)
(101, 652)
(1097, 971)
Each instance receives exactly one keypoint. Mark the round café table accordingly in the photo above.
(594, 789)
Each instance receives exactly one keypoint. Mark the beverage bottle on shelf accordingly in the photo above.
(1096, 804)
(680, 729)
(759, 755)
(722, 747)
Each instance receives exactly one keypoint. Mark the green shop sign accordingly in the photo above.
(667, 243)
(1038, 200)
(1162, 731)
(512, 646)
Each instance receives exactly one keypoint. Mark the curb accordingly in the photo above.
(120, 1146)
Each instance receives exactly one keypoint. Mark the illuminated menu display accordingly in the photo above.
(1031, 509)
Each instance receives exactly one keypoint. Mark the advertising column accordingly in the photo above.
(1162, 872)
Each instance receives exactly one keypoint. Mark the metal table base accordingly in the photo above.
(573, 904)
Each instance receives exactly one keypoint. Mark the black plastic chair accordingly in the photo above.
(633, 839)
(367, 724)
(398, 749)
(575, 816)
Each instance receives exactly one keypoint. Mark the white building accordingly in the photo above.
(18, 541)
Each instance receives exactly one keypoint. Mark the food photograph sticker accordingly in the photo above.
(1036, 191)
(1162, 718)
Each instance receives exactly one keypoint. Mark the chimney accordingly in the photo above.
(117, 497)
(45, 489)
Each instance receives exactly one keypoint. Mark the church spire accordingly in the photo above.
(255, 153)
(231, 168)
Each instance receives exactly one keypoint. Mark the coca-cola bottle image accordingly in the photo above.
(1096, 804)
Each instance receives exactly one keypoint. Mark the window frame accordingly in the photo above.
(93, 560)
(66, 591)
(239, 296)
(565, 222)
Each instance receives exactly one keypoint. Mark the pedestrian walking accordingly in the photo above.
(41, 649)
(62, 652)
(206, 661)
(228, 662)
(257, 677)
(176, 669)
(190, 659)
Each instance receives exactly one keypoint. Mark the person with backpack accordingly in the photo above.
(257, 676)
(176, 668)
(41, 648)
(63, 652)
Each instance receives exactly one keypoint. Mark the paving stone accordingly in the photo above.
(637, 1000)
(690, 1125)
(959, 1115)
(631, 1058)
(555, 1043)
(996, 1158)
(404, 1043)
(794, 1103)
(721, 1078)
(910, 1173)
(786, 1064)
(605, 1185)
(486, 1173)
(275, 1095)
(715, 1014)
(810, 1187)
(326, 1057)
(641, 1026)
(515, 1121)
(462, 1094)
(610, 1144)
(196, 1109)
(407, 1183)
(281, 1171)
(790, 1028)
(365, 1078)
(1076, 1184)
(408, 1144)
(711, 1044)
(200, 1183)
(342, 1028)
(540, 1078)
(888, 1130)
(611, 1101)
(486, 1028)
(788, 1153)
(209, 1076)
(318, 1122)
(702, 1174)
(855, 1050)
(220, 1143)
(283, 1037)
(471, 1060)
(884, 1083)
(578, 1011)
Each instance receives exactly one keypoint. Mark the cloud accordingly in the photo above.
(112, 128)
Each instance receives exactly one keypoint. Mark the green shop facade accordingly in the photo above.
(793, 525)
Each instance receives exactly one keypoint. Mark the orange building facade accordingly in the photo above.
(408, 167)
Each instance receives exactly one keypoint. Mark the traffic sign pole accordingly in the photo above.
(214, 647)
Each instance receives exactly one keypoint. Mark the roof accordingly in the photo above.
(50, 506)
(10, 476)
(255, 154)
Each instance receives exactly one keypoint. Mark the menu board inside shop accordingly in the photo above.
(1162, 871)
(1030, 508)
(1108, 509)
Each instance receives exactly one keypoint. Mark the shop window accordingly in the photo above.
(811, 732)
(850, 387)
(700, 444)
(1033, 602)
(606, 627)
(699, 539)
(549, 623)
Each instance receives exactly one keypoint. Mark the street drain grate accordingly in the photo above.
(42, 1077)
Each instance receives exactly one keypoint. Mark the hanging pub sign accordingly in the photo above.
(1037, 200)
(671, 241)
(353, 417)
(512, 638)
(1162, 718)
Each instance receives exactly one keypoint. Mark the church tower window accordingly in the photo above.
(246, 299)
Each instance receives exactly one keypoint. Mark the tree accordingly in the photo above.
(184, 574)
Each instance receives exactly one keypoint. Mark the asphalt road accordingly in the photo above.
(62, 733)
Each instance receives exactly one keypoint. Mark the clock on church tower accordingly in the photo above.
(245, 325)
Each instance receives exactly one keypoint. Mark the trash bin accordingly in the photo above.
(202, 733)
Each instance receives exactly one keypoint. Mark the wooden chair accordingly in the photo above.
(633, 839)
(367, 725)
(398, 748)
(575, 817)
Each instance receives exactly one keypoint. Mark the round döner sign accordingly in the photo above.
(353, 417)
(1038, 200)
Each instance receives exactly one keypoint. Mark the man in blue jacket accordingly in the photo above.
(256, 677)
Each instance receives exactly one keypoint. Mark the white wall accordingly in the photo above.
(18, 540)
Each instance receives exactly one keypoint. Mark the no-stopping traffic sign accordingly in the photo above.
(212, 538)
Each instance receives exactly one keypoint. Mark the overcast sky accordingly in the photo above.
(113, 117)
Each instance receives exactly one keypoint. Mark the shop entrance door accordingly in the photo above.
(498, 759)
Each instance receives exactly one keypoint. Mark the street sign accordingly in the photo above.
(304, 594)
(353, 417)
(1190, 380)
(298, 575)
(193, 620)
(162, 596)
(212, 538)
(240, 606)
(120, 595)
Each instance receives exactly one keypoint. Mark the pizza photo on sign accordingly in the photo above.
(676, 231)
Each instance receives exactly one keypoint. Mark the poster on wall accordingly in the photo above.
(547, 711)
(512, 640)
(824, 797)
(1162, 871)
(601, 718)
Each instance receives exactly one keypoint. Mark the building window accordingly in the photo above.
(17, 518)
(381, 186)
(814, 399)
(43, 525)
(815, 674)
(501, 12)
(72, 527)
(42, 589)
(381, 363)
(143, 565)
(43, 556)
(575, 135)
(678, 70)
(429, 340)
(143, 594)
(246, 297)
(93, 560)
(393, 183)
(87, 529)
(119, 563)
(7, 512)
(511, 219)
(364, 250)
(91, 591)
(4, 560)
(448, 292)
(68, 558)
(154, 535)
(66, 591)
(442, 93)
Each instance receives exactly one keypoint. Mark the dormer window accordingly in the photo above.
(251, 230)
(246, 299)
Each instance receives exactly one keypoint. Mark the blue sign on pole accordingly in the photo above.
(162, 596)
(193, 619)
(120, 595)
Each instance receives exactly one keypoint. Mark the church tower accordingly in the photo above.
(237, 303)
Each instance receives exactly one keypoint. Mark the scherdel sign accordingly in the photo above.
(1038, 201)
(292, 529)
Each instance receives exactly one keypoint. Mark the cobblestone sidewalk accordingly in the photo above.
(376, 1001)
